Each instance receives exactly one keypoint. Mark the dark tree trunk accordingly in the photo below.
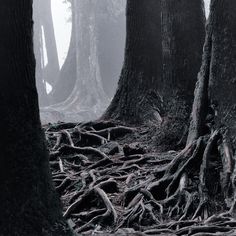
(183, 34)
(137, 97)
(161, 65)
(28, 203)
(215, 94)
(213, 112)
(210, 150)
(67, 77)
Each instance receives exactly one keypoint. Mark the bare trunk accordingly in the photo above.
(215, 95)
(160, 69)
(28, 203)
(88, 98)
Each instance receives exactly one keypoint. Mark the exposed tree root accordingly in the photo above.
(191, 192)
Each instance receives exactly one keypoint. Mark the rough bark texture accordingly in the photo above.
(158, 76)
(215, 94)
(137, 95)
(183, 33)
(28, 203)
(222, 80)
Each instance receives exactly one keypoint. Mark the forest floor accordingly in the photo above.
(115, 180)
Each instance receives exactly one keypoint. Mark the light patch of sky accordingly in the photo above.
(61, 14)
(62, 27)
(207, 6)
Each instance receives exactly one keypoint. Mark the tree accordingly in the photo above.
(216, 81)
(152, 84)
(109, 29)
(28, 203)
(209, 153)
(215, 95)
(45, 32)
(88, 98)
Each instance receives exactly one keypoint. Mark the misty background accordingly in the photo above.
(79, 49)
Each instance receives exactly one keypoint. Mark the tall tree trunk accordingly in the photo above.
(213, 112)
(183, 32)
(215, 94)
(158, 75)
(28, 203)
(137, 97)
(88, 98)
(67, 77)
(210, 150)
(110, 24)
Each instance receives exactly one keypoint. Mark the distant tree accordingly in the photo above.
(162, 57)
(45, 31)
(88, 97)
(28, 203)
(108, 21)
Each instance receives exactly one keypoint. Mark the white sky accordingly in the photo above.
(207, 3)
(61, 14)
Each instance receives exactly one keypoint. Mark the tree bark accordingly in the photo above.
(136, 97)
(183, 34)
(160, 69)
(28, 203)
(215, 94)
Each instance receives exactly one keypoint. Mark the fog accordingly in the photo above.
(79, 49)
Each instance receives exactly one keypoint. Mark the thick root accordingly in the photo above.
(155, 193)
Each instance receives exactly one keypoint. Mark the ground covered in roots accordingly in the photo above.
(114, 180)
